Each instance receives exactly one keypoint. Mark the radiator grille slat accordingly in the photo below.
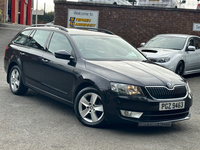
(165, 93)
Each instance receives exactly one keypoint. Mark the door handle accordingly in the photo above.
(21, 53)
(45, 60)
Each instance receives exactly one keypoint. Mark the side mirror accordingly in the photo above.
(191, 48)
(142, 44)
(63, 54)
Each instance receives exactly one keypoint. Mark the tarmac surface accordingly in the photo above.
(36, 122)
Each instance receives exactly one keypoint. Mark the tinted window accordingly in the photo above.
(191, 42)
(59, 42)
(38, 39)
(21, 38)
(197, 43)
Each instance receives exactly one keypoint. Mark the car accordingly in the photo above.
(115, 2)
(161, 3)
(103, 77)
(177, 52)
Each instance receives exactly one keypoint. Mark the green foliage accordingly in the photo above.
(0, 15)
(42, 19)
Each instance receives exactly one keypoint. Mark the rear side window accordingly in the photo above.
(59, 42)
(21, 38)
(37, 39)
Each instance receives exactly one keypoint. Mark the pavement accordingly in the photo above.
(12, 26)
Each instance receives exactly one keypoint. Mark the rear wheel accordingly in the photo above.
(180, 68)
(89, 108)
(15, 81)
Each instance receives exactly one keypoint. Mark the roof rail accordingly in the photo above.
(50, 25)
(96, 29)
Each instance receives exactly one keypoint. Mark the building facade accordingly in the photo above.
(16, 11)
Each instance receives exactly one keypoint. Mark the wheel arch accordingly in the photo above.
(83, 85)
(9, 68)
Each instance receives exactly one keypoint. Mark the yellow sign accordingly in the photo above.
(83, 18)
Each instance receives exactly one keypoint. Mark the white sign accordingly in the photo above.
(196, 26)
(82, 18)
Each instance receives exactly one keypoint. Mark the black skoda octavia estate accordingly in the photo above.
(99, 74)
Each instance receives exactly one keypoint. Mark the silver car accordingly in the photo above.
(177, 52)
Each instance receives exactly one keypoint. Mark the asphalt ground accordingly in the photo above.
(36, 122)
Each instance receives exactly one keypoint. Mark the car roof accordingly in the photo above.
(178, 35)
(73, 31)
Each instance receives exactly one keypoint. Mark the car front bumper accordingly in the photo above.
(149, 109)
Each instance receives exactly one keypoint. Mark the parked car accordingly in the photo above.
(102, 76)
(161, 3)
(178, 52)
(116, 2)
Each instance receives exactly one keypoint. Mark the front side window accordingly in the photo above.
(106, 48)
(197, 43)
(38, 39)
(59, 42)
(167, 42)
(191, 42)
(21, 38)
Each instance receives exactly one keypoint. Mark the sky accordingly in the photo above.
(49, 5)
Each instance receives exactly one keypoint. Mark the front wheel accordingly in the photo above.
(15, 81)
(88, 108)
(180, 68)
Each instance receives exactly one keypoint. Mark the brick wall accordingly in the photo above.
(3, 8)
(134, 24)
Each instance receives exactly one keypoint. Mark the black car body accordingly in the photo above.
(103, 77)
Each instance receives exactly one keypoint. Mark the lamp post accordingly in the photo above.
(36, 20)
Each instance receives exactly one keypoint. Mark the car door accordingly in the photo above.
(191, 56)
(197, 45)
(31, 55)
(57, 75)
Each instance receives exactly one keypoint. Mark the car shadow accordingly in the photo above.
(192, 75)
(118, 128)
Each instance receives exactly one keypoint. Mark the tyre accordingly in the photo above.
(180, 68)
(88, 108)
(15, 80)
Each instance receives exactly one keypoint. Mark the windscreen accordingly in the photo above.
(106, 48)
(166, 42)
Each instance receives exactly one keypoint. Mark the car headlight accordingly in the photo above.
(126, 89)
(160, 60)
(188, 88)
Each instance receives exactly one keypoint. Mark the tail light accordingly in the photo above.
(6, 49)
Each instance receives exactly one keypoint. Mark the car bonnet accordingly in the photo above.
(134, 72)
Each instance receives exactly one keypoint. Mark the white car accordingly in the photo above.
(178, 52)
(117, 2)
(161, 3)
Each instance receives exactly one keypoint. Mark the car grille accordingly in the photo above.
(165, 93)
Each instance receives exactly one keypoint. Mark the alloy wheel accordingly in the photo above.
(15, 80)
(90, 107)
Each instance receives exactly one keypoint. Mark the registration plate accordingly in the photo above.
(171, 105)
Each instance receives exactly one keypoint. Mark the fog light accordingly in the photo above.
(131, 114)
